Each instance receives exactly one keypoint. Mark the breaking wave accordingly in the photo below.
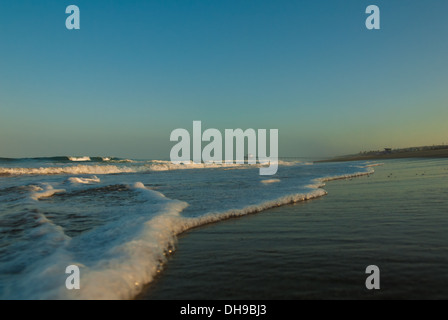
(125, 166)
(79, 159)
(71, 170)
(93, 179)
(120, 232)
(133, 250)
(48, 192)
(62, 159)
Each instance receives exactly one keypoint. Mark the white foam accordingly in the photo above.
(346, 176)
(93, 179)
(49, 192)
(131, 259)
(75, 170)
(40, 276)
(126, 161)
(130, 252)
(138, 260)
(79, 159)
(374, 165)
(48, 228)
(155, 165)
(160, 165)
(35, 188)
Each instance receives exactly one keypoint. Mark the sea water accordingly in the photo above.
(395, 219)
(117, 219)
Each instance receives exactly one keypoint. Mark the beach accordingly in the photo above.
(207, 150)
(399, 154)
(319, 249)
(148, 229)
(117, 220)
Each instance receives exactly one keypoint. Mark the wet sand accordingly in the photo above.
(319, 249)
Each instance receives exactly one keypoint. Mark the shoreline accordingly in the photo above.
(425, 154)
(317, 191)
(320, 249)
(234, 219)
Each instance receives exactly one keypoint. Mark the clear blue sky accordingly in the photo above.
(139, 69)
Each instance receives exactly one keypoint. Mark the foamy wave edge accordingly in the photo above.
(136, 262)
(71, 170)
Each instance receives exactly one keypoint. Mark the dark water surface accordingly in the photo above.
(396, 219)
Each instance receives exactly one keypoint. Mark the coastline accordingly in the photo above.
(315, 249)
(442, 153)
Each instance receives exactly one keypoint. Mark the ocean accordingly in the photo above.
(119, 220)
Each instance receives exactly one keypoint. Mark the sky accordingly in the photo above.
(137, 70)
